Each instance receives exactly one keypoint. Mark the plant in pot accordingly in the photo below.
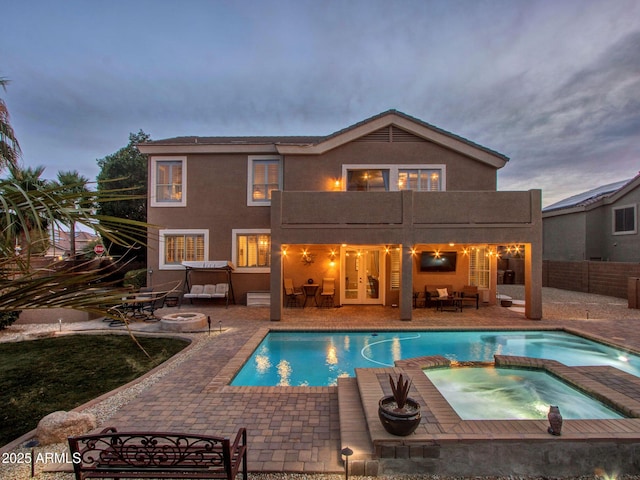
(399, 414)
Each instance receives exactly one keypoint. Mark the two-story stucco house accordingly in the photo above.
(375, 207)
(599, 224)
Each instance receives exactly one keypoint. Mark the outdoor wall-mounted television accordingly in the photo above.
(438, 261)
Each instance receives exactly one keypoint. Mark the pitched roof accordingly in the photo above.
(320, 144)
(251, 140)
(592, 196)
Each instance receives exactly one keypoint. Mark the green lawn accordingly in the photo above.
(42, 376)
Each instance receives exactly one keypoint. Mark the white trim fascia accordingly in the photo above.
(632, 185)
(234, 249)
(153, 174)
(404, 123)
(190, 148)
(179, 231)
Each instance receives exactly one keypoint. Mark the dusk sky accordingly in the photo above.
(554, 85)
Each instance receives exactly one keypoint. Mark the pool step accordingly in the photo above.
(353, 429)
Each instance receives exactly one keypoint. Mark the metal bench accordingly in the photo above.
(113, 454)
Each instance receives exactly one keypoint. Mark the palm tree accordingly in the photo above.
(28, 205)
(59, 284)
(27, 237)
(9, 147)
(73, 183)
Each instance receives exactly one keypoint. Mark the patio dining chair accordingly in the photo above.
(328, 292)
(292, 293)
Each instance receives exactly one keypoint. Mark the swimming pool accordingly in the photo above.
(490, 393)
(320, 358)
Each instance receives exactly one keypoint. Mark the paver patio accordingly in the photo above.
(297, 429)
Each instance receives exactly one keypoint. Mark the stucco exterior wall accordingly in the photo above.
(319, 172)
(216, 201)
(586, 232)
(564, 237)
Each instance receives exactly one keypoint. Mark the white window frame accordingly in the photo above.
(170, 232)
(234, 249)
(635, 220)
(250, 161)
(478, 274)
(154, 189)
(394, 172)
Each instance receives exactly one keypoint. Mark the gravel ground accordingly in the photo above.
(558, 304)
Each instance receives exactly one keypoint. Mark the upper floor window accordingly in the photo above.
(265, 176)
(426, 180)
(385, 178)
(177, 246)
(624, 220)
(251, 250)
(368, 180)
(168, 182)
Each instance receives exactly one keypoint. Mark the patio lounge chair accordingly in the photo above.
(291, 293)
(328, 292)
(470, 295)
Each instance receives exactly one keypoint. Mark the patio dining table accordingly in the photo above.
(138, 306)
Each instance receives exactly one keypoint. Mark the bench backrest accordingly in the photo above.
(209, 289)
(152, 452)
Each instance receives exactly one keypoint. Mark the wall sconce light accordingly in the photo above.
(332, 258)
(337, 184)
(284, 251)
(413, 250)
(307, 258)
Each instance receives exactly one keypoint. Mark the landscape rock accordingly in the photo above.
(57, 426)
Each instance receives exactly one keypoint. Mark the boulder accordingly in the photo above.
(57, 426)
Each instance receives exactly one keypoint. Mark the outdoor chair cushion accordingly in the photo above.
(195, 291)
(442, 292)
(208, 292)
(221, 290)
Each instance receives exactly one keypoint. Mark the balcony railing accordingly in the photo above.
(407, 207)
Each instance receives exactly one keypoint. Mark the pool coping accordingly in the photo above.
(376, 451)
(443, 434)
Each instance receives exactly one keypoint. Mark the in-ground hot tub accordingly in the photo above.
(494, 393)
(183, 322)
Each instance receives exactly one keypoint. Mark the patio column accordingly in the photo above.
(406, 291)
(533, 281)
(275, 283)
(533, 261)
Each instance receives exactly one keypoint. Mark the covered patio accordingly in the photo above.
(376, 256)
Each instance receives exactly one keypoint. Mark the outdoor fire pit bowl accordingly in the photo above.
(183, 322)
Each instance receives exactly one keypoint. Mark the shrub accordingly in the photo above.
(135, 278)
(7, 318)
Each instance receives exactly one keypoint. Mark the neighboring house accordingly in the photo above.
(600, 224)
(375, 207)
(59, 246)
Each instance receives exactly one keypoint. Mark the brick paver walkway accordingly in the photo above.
(297, 429)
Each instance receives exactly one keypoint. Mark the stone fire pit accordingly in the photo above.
(183, 322)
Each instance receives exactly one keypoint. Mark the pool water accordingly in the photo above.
(320, 358)
(508, 393)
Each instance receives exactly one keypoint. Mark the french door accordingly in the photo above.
(362, 273)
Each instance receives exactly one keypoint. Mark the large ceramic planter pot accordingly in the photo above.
(401, 423)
